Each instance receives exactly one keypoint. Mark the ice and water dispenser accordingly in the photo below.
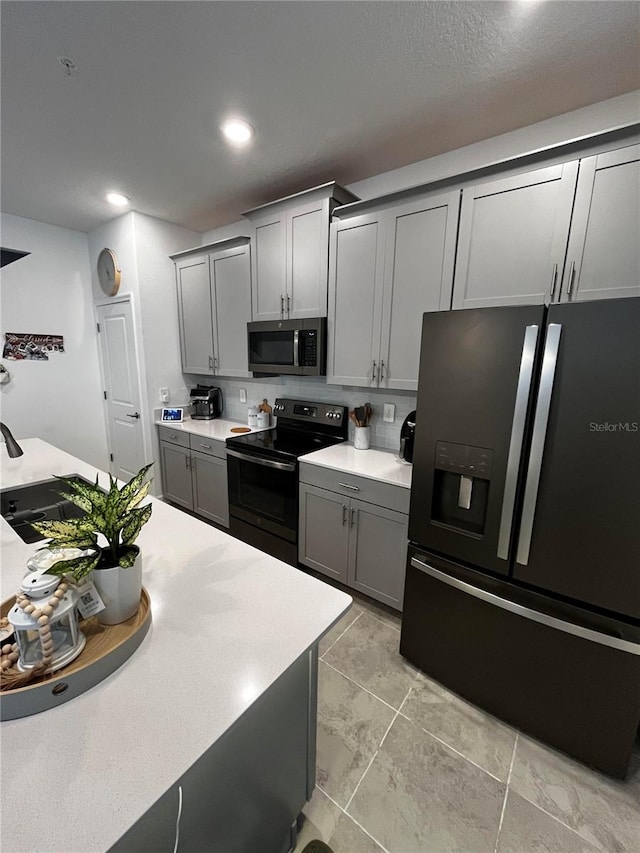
(461, 486)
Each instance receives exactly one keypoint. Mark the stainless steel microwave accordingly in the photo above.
(292, 347)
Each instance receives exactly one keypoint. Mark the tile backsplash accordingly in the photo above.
(385, 435)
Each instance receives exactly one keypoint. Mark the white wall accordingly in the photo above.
(49, 292)
(143, 245)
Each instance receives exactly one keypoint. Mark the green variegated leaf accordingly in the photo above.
(78, 566)
(128, 558)
(136, 518)
(75, 529)
(91, 493)
(79, 500)
(136, 499)
(129, 490)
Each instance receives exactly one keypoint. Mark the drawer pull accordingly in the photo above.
(344, 514)
(207, 446)
(347, 486)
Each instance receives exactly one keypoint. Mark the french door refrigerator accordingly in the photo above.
(522, 591)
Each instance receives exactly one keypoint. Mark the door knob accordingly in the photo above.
(135, 415)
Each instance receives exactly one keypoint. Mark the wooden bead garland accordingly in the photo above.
(9, 652)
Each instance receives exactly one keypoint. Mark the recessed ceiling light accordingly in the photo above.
(237, 130)
(117, 199)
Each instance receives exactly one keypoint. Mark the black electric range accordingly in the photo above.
(263, 473)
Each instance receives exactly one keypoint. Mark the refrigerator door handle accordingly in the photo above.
(527, 612)
(543, 404)
(517, 434)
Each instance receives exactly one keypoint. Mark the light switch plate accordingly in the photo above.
(164, 395)
(389, 414)
(243, 395)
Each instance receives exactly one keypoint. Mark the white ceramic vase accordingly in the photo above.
(120, 589)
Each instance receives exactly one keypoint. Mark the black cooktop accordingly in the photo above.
(303, 427)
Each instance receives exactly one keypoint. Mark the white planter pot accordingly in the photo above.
(120, 589)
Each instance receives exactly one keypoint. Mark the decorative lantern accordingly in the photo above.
(45, 623)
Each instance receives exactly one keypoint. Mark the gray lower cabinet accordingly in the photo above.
(361, 544)
(194, 475)
(246, 791)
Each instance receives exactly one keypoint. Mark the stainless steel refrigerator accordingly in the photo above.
(523, 576)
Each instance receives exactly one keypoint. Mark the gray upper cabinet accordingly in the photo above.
(290, 240)
(603, 257)
(214, 307)
(194, 314)
(386, 269)
(513, 238)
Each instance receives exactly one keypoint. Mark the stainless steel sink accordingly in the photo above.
(40, 501)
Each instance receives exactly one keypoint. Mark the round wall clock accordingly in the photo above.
(109, 272)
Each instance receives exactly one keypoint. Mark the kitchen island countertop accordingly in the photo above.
(381, 465)
(228, 621)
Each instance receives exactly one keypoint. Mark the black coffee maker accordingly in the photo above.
(407, 437)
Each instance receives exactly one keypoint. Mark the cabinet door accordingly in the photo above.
(176, 474)
(307, 260)
(231, 277)
(603, 258)
(195, 317)
(268, 267)
(324, 531)
(419, 258)
(210, 498)
(355, 300)
(513, 236)
(378, 552)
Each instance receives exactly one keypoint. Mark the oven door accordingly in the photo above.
(264, 492)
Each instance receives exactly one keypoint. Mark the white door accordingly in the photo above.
(122, 388)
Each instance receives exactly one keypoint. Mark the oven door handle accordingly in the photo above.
(268, 463)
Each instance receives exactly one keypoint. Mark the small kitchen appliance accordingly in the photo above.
(292, 347)
(207, 402)
(407, 437)
(263, 473)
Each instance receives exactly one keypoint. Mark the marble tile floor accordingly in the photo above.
(405, 766)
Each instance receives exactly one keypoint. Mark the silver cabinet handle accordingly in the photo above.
(281, 305)
(344, 514)
(517, 433)
(543, 404)
(206, 446)
(373, 371)
(347, 486)
(288, 309)
(381, 377)
(135, 415)
(554, 280)
(210, 362)
(215, 361)
(570, 279)
(527, 612)
(186, 461)
(353, 516)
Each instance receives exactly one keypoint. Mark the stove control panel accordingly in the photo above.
(329, 418)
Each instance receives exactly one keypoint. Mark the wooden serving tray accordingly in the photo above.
(106, 649)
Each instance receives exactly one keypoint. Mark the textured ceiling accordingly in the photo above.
(335, 90)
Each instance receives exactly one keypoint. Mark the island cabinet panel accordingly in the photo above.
(195, 476)
(290, 253)
(214, 307)
(386, 269)
(603, 257)
(360, 544)
(195, 314)
(513, 238)
(246, 792)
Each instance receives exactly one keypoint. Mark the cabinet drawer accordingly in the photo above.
(349, 485)
(204, 444)
(175, 436)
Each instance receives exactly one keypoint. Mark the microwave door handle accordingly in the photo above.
(517, 434)
(540, 423)
(296, 348)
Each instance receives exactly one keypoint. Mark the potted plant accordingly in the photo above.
(116, 515)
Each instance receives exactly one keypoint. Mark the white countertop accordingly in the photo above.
(228, 620)
(382, 465)
(218, 429)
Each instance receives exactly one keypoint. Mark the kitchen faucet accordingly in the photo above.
(13, 448)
